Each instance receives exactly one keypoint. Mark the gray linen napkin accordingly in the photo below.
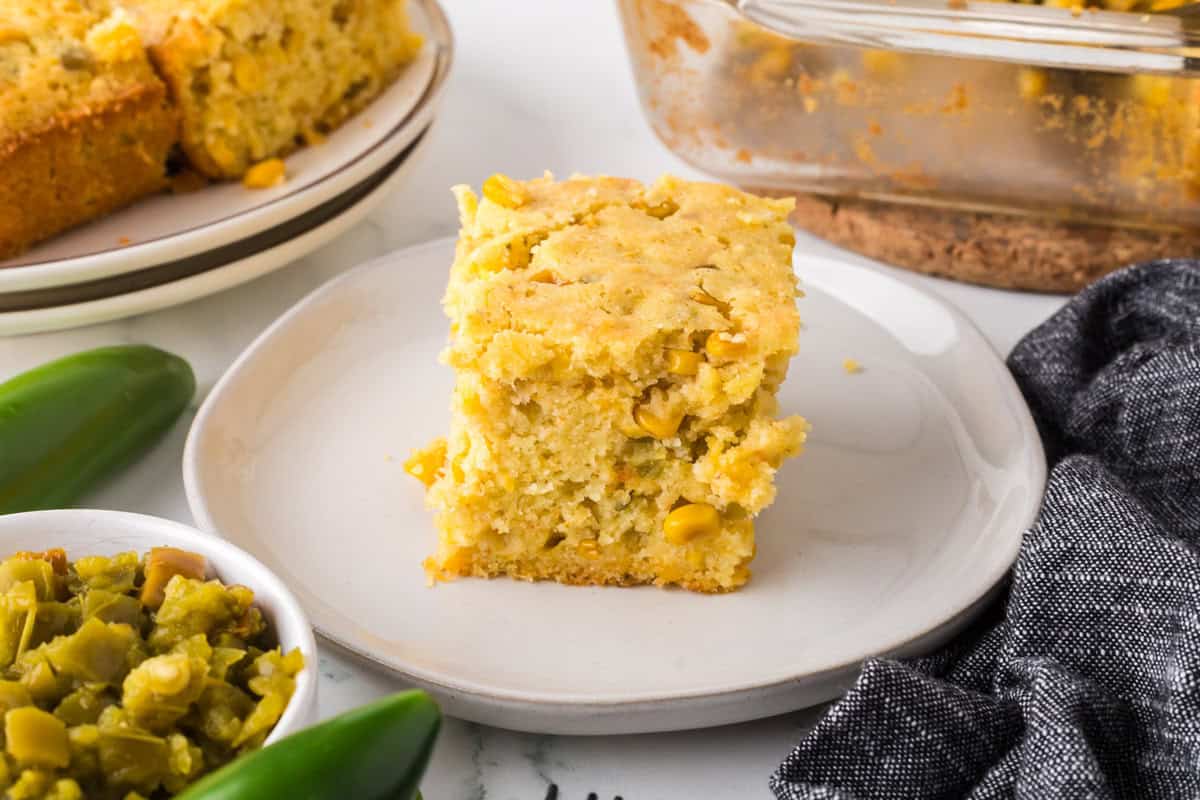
(1084, 681)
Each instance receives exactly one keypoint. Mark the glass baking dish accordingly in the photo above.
(1064, 115)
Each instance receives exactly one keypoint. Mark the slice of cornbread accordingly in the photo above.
(617, 350)
(85, 126)
(255, 78)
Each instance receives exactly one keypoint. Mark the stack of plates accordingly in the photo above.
(172, 248)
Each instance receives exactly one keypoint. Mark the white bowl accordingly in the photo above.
(83, 532)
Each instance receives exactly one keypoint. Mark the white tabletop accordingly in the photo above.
(540, 84)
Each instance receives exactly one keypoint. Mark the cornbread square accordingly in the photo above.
(617, 349)
(256, 78)
(85, 125)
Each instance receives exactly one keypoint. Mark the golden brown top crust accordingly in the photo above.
(63, 57)
(598, 275)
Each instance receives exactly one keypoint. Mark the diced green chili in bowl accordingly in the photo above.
(123, 678)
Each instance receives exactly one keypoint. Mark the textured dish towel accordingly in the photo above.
(1085, 680)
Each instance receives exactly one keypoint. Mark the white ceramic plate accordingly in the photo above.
(168, 227)
(200, 283)
(908, 506)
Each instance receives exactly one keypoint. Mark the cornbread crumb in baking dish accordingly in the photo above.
(617, 350)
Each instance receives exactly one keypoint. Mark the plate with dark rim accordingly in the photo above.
(168, 227)
(205, 273)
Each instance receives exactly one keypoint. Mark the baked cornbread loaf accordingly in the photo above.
(617, 349)
(85, 126)
(255, 78)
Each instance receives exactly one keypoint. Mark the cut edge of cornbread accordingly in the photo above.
(85, 124)
(617, 350)
(82, 167)
(256, 86)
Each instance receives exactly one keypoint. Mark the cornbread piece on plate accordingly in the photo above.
(256, 78)
(85, 126)
(617, 350)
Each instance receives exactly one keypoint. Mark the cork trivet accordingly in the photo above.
(998, 250)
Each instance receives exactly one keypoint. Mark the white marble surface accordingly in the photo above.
(538, 85)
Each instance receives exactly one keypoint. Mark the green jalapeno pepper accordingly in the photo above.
(67, 425)
(377, 752)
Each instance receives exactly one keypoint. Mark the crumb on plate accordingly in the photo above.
(265, 174)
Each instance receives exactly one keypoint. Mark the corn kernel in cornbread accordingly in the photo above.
(265, 174)
(617, 350)
(254, 78)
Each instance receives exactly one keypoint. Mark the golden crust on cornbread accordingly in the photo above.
(617, 349)
(254, 79)
(85, 126)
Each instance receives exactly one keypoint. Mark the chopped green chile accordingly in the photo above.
(109, 606)
(116, 574)
(13, 695)
(192, 606)
(84, 705)
(99, 652)
(40, 573)
(114, 686)
(35, 738)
